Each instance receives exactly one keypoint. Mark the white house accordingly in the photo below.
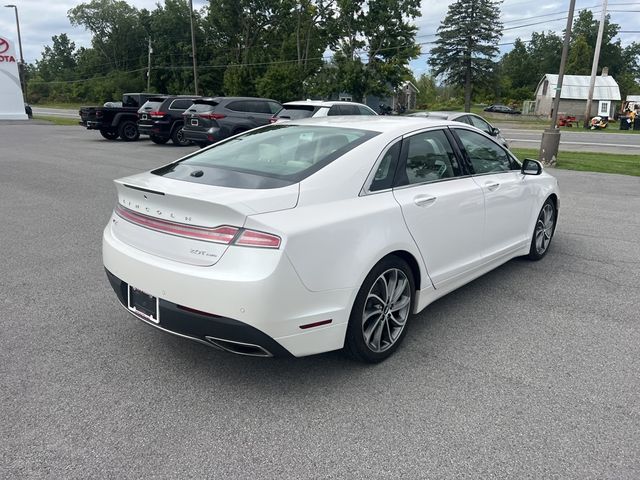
(575, 91)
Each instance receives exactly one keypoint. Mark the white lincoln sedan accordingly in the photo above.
(321, 234)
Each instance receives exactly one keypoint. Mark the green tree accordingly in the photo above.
(580, 57)
(58, 61)
(117, 33)
(428, 91)
(467, 43)
(373, 45)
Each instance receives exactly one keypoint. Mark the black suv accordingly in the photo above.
(211, 119)
(161, 118)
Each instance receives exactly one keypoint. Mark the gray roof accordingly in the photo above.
(576, 87)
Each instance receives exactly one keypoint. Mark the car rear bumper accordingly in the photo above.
(248, 300)
(212, 330)
(162, 130)
(203, 136)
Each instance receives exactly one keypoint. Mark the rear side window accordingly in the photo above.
(202, 107)
(386, 170)
(269, 157)
(296, 112)
(365, 111)
(181, 104)
(239, 106)
(152, 105)
(259, 106)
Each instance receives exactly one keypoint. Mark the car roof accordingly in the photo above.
(320, 103)
(222, 99)
(381, 123)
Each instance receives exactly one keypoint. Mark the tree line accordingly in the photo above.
(270, 48)
(292, 49)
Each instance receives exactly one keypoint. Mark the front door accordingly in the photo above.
(507, 193)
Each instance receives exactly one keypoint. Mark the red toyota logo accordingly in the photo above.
(4, 45)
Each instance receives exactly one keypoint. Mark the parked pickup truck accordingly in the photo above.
(116, 119)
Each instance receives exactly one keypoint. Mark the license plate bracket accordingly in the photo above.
(143, 304)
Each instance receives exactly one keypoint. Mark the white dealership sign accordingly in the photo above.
(11, 100)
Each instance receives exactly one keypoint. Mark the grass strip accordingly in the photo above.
(590, 161)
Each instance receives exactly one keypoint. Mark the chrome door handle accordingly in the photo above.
(424, 201)
(492, 186)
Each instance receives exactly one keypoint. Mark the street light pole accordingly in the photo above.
(193, 48)
(21, 64)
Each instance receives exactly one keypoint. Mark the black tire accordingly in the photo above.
(177, 137)
(203, 145)
(108, 134)
(543, 230)
(158, 140)
(128, 131)
(389, 323)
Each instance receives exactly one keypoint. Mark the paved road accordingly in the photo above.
(528, 372)
(578, 141)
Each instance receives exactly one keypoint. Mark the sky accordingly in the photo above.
(40, 20)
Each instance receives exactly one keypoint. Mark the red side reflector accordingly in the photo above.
(316, 324)
(199, 312)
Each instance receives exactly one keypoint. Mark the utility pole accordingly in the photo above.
(551, 136)
(149, 67)
(193, 49)
(594, 66)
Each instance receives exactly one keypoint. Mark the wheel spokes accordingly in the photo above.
(386, 310)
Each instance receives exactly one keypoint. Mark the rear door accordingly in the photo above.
(442, 206)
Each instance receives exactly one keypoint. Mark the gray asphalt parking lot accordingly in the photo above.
(532, 371)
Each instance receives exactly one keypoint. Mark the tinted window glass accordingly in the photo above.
(239, 106)
(349, 110)
(485, 156)
(130, 101)
(259, 106)
(385, 172)
(181, 104)
(365, 111)
(430, 157)
(481, 124)
(274, 107)
(334, 110)
(464, 119)
(152, 105)
(295, 112)
(269, 157)
(202, 107)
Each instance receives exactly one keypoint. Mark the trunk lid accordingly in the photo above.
(179, 205)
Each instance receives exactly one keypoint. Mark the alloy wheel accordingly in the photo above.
(544, 228)
(386, 310)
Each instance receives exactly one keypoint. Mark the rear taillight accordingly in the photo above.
(157, 114)
(224, 234)
(212, 116)
(252, 238)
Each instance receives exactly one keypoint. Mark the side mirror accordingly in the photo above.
(495, 131)
(531, 167)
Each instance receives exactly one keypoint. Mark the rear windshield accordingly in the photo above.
(202, 107)
(269, 157)
(296, 112)
(152, 104)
